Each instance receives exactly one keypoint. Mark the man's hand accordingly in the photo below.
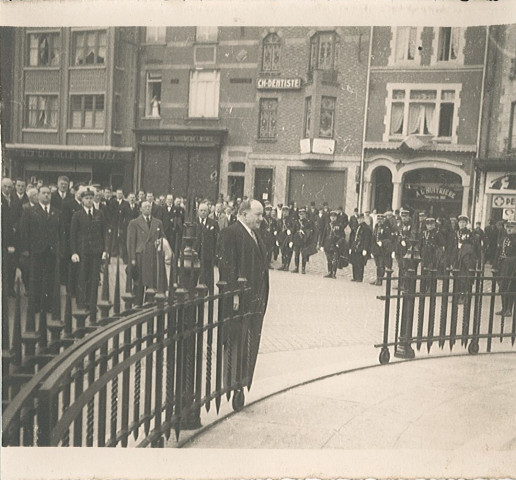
(350, 252)
(75, 258)
(403, 243)
(104, 255)
(11, 249)
(291, 244)
(133, 263)
(322, 249)
(393, 255)
(236, 302)
(379, 243)
(364, 252)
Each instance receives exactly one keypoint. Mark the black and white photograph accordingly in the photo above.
(232, 240)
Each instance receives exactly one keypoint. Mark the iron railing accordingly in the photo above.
(451, 309)
(143, 376)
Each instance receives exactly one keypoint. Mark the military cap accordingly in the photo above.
(404, 212)
(430, 220)
(511, 223)
(380, 216)
(86, 191)
(422, 214)
(285, 207)
(463, 218)
(389, 213)
(302, 210)
(334, 212)
(268, 206)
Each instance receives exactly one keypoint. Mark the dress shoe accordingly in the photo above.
(282, 268)
(334, 276)
(296, 270)
(353, 280)
(328, 276)
(303, 271)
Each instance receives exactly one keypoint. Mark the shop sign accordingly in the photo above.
(182, 139)
(63, 155)
(502, 183)
(504, 201)
(432, 192)
(278, 83)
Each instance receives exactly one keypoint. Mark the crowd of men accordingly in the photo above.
(58, 230)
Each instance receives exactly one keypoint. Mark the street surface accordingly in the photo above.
(407, 405)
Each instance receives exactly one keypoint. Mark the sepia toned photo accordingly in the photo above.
(260, 240)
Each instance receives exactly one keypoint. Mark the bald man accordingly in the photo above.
(244, 254)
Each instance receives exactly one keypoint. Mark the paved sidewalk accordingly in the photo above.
(453, 404)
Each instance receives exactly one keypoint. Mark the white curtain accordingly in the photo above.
(429, 118)
(402, 36)
(455, 40)
(397, 118)
(416, 113)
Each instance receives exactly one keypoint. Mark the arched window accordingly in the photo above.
(323, 51)
(271, 53)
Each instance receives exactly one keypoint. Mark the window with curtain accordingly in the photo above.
(153, 95)
(204, 94)
(41, 111)
(406, 38)
(422, 112)
(90, 47)
(323, 51)
(327, 120)
(87, 111)
(271, 53)
(44, 49)
(268, 118)
(449, 43)
(308, 117)
(155, 34)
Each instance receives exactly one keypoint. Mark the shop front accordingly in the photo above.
(179, 162)
(497, 187)
(104, 166)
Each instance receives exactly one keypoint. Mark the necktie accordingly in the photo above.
(90, 214)
(148, 221)
(254, 237)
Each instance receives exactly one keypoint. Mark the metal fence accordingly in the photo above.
(450, 309)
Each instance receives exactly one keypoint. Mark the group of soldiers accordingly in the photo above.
(68, 232)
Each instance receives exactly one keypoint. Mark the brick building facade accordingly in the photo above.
(273, 113)
(72, 104)
(425, 96)
(495, 172)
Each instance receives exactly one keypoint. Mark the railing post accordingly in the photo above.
(385, 356)
(104, 304)
(405, 349)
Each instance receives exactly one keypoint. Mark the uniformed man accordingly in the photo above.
(432, 251)
(467, 256)
(323, 217)
(88, 248)
(508, 270)
(421, 225)
(303, 240)
(359, 248)
(276, 224)
(403, 238)
(333, 233)
(382, 248)
(267, 229)
(286, 237)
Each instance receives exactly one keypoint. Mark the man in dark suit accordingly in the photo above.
(168, 219)
(88, 248)
(39, 242)
(70, 206)
(116, 225)
(143, 240)
(156, 210)
(8, 239)
(227, 218)
(131, 210)
(62, 194)
(206, 232)
(359, 248)
(243, 254)
(18, 199)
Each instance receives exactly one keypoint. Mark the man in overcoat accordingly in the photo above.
(243, 254)
(88, 246)
(39, 243)
(432, 251)
(285, 238)
(304, 241)
(205, 244)
(508, 270)
(333, 233)
(468, 254)
(382, 247)
(360, 248)
(143, 241)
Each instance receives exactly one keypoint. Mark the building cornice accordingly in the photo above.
(434, 147)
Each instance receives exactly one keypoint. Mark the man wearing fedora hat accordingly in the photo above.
(331, 237)
(285, 237)
(508, 270)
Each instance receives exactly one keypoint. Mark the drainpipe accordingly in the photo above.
(362, 158)
(479, 129)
